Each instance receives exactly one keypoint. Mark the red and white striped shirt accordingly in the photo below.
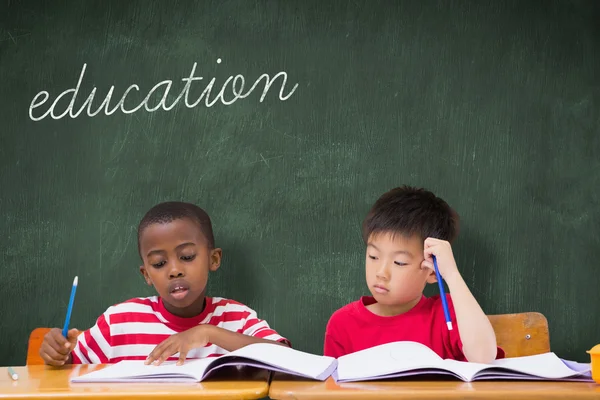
(131, 330)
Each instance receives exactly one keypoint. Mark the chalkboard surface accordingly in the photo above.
(306, 111)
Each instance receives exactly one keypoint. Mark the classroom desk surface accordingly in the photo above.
(39, 381)
(287, 387)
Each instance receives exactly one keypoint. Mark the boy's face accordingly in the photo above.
(394, 274)
(177, 260)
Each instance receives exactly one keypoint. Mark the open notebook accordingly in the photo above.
(262, 355)
(403, 359)
(392, 360)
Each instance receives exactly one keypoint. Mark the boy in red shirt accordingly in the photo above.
(403, 230)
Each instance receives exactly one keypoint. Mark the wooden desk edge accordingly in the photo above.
(42, 382)
(287, 387)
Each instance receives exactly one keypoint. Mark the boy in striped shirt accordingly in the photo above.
(176, 244)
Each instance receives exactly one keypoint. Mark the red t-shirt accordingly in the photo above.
(353, 328)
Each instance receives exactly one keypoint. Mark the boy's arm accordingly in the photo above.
(476, 332)
(92, 346)
(232, 341)
(200, 336)
(252, 330)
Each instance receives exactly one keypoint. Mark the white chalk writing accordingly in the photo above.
(229, 93)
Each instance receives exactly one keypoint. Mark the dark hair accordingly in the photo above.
(407, 210)
(170, 211)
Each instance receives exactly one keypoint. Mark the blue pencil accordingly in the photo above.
(70, 308)
(442, 294)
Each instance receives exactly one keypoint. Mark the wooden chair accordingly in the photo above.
(36, 338)
(522, 334)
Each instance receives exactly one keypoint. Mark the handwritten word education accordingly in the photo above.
(231, 90)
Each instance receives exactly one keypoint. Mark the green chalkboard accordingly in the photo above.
(306, 112)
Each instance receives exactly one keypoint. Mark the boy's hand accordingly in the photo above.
(442, 250)
(56, 349)
(181, 343)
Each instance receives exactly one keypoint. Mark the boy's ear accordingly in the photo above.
(215, 259)
(145, 274)
(431, 278)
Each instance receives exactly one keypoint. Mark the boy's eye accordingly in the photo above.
(372, 257)
(188, 258)
(400, 263)
(159, 264)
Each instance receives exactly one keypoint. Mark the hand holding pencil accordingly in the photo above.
(435, 249)
(442, 250)
(57, 345)
(56, 349)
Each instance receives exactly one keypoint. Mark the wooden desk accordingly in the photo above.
(286, 387)
(39, 381)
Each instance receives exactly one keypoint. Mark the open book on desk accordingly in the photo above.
(267, 356)
(404, 359)
(392, 360)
